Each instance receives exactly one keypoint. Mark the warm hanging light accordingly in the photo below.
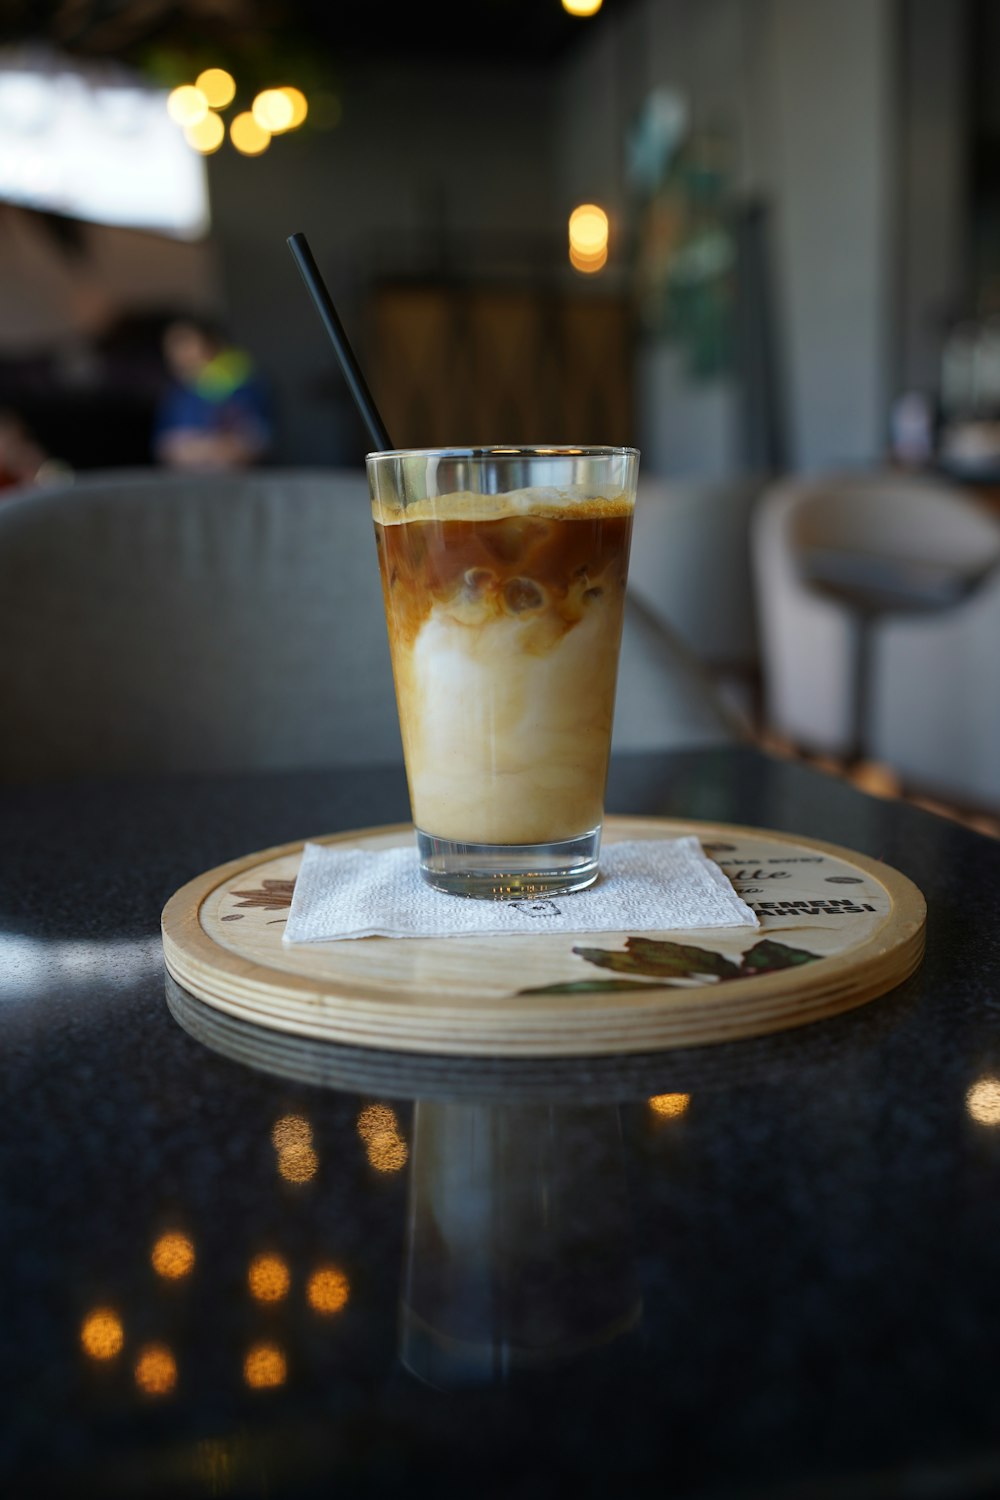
(218, 86)
(208, 135)
(581, 7)
(247, 136)
(588, 264)
(588, 238)
(273, 111)
(299, 103)
(187, 105)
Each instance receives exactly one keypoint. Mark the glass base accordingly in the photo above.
(509, 872)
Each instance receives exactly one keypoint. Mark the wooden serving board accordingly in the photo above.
(837, 929)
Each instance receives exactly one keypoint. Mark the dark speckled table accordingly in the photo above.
(236, 1264)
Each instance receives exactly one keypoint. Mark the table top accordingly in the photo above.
(289, 1270)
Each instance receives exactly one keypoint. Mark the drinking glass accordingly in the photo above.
(503, 572)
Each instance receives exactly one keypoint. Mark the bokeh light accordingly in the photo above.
(300, 106)
(388, 1152)
(208, 135)
(291, 1130)
(273, 111)
(297, 1163)
(156, 1370)
(378, 1127)
(264, 1367)
(375, 1119)
(218, 87)
(588, 264)
(582, 7)
(247, 136)
(102, 1335)
(983, 1101)
(268, 1278)
(187, 105)
(328, 1290)
(669, 1106)
(173, 1256)
(588, 238)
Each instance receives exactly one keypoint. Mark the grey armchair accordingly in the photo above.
(177, 623)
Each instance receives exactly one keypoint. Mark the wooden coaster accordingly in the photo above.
(813, 1056)
(837, 929)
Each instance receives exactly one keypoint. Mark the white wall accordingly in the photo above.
(831, 174)
(934, 142)
(452, 148)
(808, 88)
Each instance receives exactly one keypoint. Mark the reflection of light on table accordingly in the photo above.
(297, 1163)
(328, 1290)
(375, 1118)
(268, 1278)
(291, 1137)
(669, 1106)
(173, 1256)
(264, 1367)
(378, 1127)
(156, 1370)
(387, 1152)
(102, 1335)
(983, 1101)
(291, 1130)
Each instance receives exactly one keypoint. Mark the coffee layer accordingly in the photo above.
(504, 632)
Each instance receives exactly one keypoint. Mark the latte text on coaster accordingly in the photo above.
(837, 929)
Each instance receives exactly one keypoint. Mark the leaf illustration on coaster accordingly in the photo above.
(659, 958)
(666, 961)
(768, 956)
(272, 896)
(588, 987)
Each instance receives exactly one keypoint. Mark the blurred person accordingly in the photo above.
(215, 415)
(22, 459)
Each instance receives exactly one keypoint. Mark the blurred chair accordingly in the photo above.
(691, 566)
(180, 623)
(936, 708)
(857, 578)
(666, 699)
(193, 623)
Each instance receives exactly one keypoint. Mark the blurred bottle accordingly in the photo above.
(912, 429)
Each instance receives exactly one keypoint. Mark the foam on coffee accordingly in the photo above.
(504, 619)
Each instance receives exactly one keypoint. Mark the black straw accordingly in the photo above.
(303, 257)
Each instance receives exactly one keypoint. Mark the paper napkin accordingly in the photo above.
(644, 885)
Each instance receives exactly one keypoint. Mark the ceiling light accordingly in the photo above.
(187, 105)
(208, 135)
(247, 136)
(218, 86)
(588, 238)
(273, 111)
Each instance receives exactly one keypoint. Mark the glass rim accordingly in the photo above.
(543, 450)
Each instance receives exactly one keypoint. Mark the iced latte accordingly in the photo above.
(504, 608)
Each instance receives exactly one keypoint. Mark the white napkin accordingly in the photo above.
(644, 885)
